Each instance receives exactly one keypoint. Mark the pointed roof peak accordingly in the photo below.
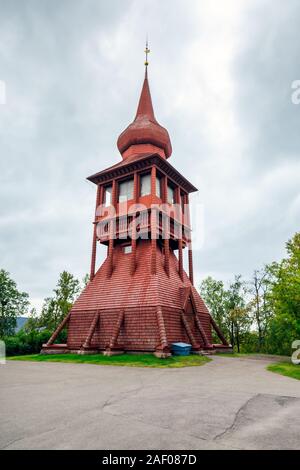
(145, 129)
(145, 106)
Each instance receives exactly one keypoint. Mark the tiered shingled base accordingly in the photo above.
(138, 311)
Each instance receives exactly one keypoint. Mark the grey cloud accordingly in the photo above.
(73, 71)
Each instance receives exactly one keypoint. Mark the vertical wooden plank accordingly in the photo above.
(180, 259)
(99, 196)
(153, 240)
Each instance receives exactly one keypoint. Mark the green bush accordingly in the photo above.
(29, 343)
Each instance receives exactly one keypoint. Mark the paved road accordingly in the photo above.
(230, 403)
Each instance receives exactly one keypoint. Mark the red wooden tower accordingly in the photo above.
(140, 299)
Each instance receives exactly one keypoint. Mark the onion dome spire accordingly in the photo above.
(145, 133)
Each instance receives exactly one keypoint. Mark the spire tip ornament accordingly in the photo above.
(147, 51)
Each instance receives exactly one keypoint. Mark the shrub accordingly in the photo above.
(29, 343)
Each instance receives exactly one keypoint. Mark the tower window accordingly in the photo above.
(145, 184)
(158, 187)
(126, 190)
(171, 194)
(127, 249)
(107, 196)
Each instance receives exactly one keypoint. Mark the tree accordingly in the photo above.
(85, 280)
(284, 298)
(238, 320)
(259, 305)
(214, 296)
(57, 307)
(228, 307)
(13, 303)
(32, 323)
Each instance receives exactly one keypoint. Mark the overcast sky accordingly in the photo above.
(220, 77)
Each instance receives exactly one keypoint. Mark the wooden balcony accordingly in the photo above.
(163, 226)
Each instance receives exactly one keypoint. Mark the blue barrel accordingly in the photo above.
(181, 349)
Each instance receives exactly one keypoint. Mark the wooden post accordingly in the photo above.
(114, 194)
(58, 330)
(190, 251)
(167, 255)
(165, 189)
(190, 334)
(218, 331)
(92, 328)
(99, 198)
(110, 249)
(190, 255)
(116, 329)
(133, 245)
(153, 183)
(153, 240)
(161, 329)
(111, 229)
(133, 225)
(135, 187)
(180, 259)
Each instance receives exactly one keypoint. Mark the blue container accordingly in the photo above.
(181, 349)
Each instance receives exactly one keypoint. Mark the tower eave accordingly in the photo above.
(137, 162)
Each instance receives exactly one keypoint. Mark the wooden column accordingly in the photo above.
(167, 255)
(58, 330)
(153, 222)
(180, 259)
(187, 209)
(133, 245)
(153, 183)
(99, 198)
(92, 328)
(161, 329)
(133, 225)
(135, 187)
(165, 189)
(112, 230)
(110, 249)
(114, 194)
(153, 240)
(190, 250)
(190, 256)
(218, 331)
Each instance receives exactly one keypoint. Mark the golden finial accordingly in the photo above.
(147, 51)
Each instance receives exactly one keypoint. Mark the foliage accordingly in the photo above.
(28, 343)
(286, 368)
(13, 303)
(264, 314)
(260, 305)
(238, 321)
(85, 280)
(130, 360)
(228, 307)
(214, 295)
(38, 329)
(57, 307)
(284, 296)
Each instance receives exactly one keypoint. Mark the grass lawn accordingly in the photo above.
(255, 355)
(130, 360)
(286, 368)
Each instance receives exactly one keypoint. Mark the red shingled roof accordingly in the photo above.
(145, 128)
